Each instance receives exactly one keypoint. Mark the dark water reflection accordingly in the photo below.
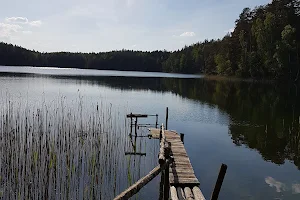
(226, 120)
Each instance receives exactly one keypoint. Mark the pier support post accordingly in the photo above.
(167, 171)
(131, 124)
(219, 182)
(167, 117)
(182, 137)
(136, 126)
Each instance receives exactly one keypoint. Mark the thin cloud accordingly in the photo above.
(7, 30)
(23, 20)
(188, 34)
(35, 23)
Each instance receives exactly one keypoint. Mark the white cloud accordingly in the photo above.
(22, 20)
(188, 34)
(7, 30)
(35, 23)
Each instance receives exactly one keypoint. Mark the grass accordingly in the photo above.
(57, 150)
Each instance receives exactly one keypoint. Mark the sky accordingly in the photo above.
(105, 25)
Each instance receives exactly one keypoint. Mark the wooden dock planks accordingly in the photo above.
(184, 184)
(181, 170)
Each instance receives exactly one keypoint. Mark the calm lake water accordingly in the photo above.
(251, 127)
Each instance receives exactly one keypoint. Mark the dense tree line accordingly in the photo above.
(126, 60)
(264, 44)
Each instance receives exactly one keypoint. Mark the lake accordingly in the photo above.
(64, 133)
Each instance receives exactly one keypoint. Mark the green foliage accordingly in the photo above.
(223, 64)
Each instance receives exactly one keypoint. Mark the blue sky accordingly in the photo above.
(104, 25)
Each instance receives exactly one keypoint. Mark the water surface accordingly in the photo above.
(251, 127)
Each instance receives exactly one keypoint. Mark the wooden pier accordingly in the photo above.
(183, 182)
(178, 180)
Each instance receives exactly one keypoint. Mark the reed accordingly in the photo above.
(57, 150)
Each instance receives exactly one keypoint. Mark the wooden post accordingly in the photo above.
(131, 124)
(161, 185)
(219, 182)
(156, 124)
(167, 171)
(136, 126)
(167, 116)
(182, 137)
(162, 155)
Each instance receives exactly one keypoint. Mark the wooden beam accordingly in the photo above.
(135, 188)
(161, 156)
(137, 115)
(135, 153)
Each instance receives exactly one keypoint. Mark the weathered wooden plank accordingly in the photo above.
(182, 159)
(180, 193)
(161, 157)
(197, 193)
(182, 174)
(188, 193)
(137, 115)
(173, 193)
(183, 181)
(154, 133)
(182, 171)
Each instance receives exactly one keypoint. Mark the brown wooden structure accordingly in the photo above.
(178, 180)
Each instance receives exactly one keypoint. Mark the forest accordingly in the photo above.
(265, 44)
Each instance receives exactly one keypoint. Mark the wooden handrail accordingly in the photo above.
(161, 156)
(135, 188)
